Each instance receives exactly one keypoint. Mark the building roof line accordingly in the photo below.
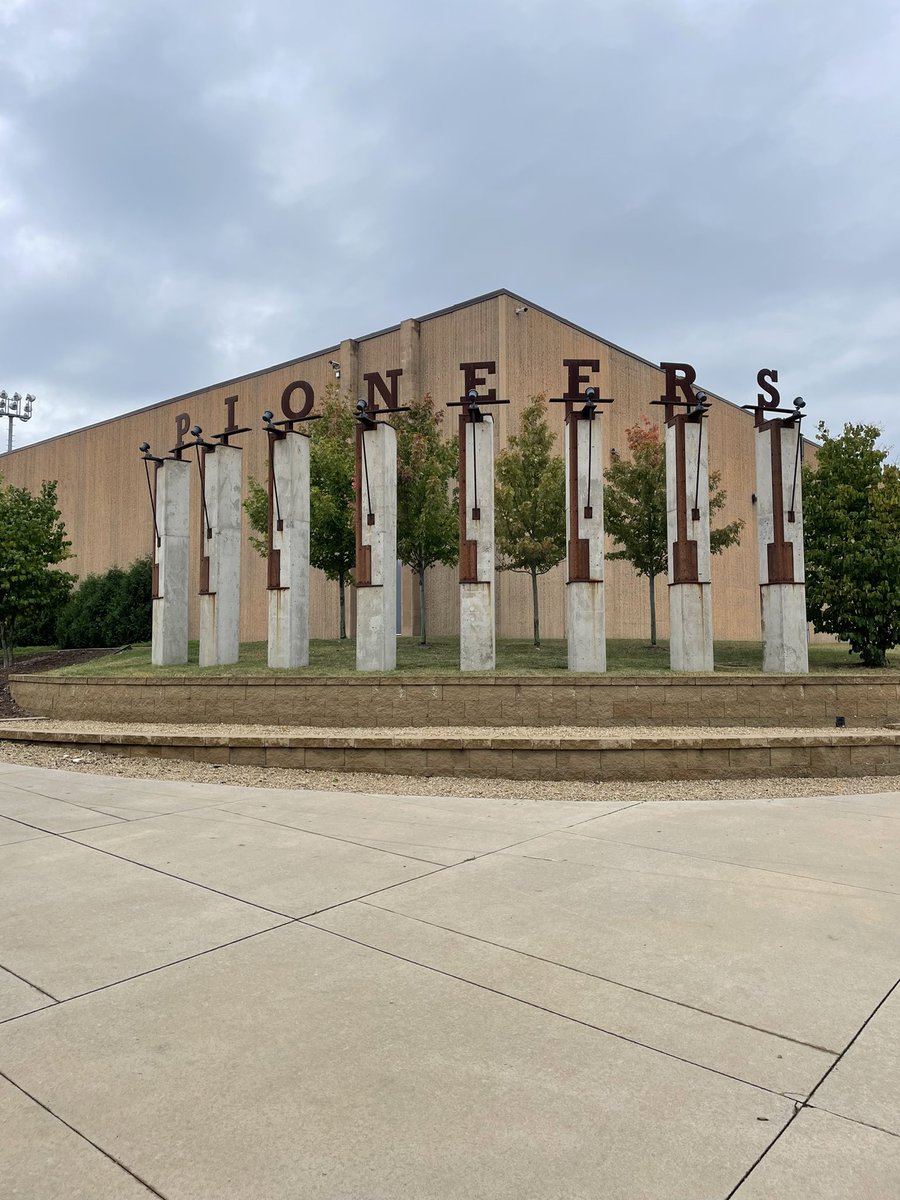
(335, 348)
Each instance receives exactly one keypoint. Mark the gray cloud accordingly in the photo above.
(193, 192)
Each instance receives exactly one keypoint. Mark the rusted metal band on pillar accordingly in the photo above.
(363, 573)
(468, 547)
(779, 552)
(685, 566)
(579, 561)
(273, 556)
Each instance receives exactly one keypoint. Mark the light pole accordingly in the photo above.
(15, 408)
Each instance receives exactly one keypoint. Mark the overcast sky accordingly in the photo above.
(196, 189)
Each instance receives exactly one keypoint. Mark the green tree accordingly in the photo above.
(256, 506)
(851, 516)
(32, 542)
(530, 502)
(427, 510)
(634, 509)
(332, 462)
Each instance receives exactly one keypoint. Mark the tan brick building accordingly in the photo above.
(103, 495)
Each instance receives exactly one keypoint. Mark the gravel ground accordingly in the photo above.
(90, 763)
(426, 731)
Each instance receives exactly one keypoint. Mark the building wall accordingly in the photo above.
(104, 501)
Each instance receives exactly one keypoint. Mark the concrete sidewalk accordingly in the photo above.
(221, 993)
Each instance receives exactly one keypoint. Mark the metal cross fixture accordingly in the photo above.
(278, 431)
(149, 457)
(580, 406)
(367, 419)
(472, 403)
(764, 408)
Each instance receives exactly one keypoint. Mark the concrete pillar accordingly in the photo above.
(220, 561)
(477, 636)
(779, 515)
(288, 562)
(376, 547)
(687, 503)
(170, 563)
(585, 613)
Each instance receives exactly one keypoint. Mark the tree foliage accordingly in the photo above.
(256, 506)
(427, 509)
(112, 609)
(32, 543)
(530, 502)
(332, 534)
(634, 509)
(851, 515)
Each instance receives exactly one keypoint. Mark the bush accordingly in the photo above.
(113, 609)
(40, 629)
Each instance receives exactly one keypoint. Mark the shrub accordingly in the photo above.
(112, 609)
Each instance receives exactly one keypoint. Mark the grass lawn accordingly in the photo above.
(441, 657)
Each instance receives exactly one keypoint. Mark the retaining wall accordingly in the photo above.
(812, 701)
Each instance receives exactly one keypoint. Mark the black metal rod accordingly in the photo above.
(275, 494)
(590, 422)
(697, 484)
(475, 505)
(201, 469)
(152, 502)
(792, 515)
(366, 473)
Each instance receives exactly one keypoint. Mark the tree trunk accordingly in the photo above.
(423, 623)
(343, 606)
(534, 608)
(652, 579)
(6, 644)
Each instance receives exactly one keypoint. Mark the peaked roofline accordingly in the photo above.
(290, 362)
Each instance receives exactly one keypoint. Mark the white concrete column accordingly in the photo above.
(782, 578)
(220, 601)
(477, 636)
(585, 612)
(171, 563)
(376, 565)
(289, 552)
(687, 505)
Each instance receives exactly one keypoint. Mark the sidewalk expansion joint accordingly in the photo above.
(84, 1137)
(621, 1037)
(606, 979)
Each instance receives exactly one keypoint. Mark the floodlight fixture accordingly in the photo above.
(14, 408)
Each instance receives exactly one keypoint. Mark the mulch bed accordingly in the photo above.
(40, 662)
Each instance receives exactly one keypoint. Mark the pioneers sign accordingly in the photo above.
(686, 412)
